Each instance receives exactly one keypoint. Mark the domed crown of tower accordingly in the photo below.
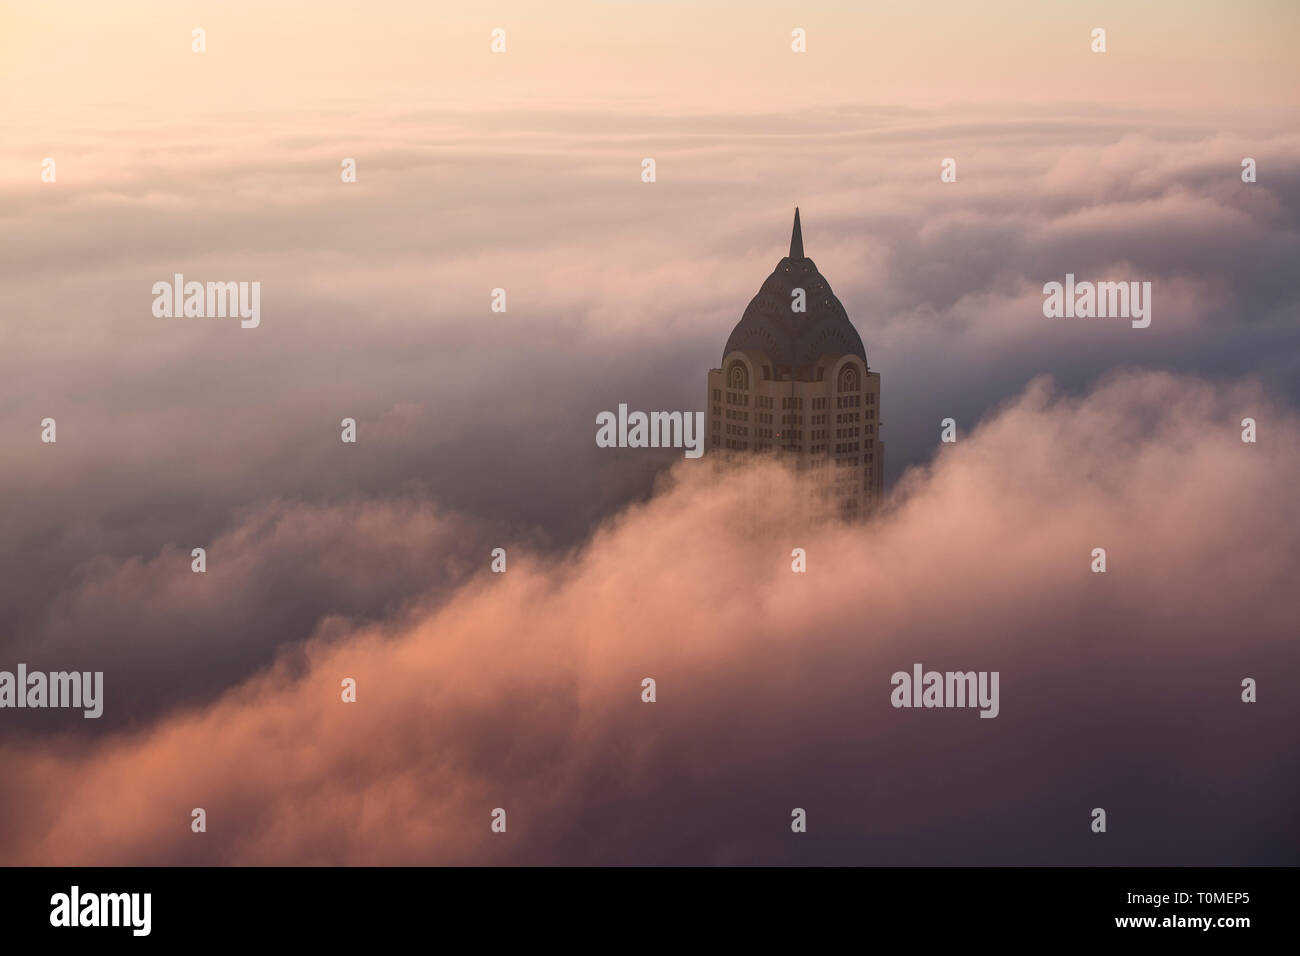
(793, 339)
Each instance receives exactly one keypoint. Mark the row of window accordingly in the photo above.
(738, 379)
(791, 435)
(793, 402)
(846, 418)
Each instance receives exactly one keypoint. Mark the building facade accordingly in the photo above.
(794, 383)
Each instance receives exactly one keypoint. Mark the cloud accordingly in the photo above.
(284, 571)
(176, 435)
(522, 690)
(375, 296)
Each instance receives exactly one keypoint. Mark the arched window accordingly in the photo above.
(848, 379)
(738, 377)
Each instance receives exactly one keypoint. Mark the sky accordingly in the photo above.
(670, 55)
(522, 171)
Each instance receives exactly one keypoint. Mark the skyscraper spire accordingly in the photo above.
(796, 343)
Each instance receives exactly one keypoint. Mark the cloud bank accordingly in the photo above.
(376, 301)
(522, 691)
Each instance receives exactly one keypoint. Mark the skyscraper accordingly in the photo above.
(794, 381)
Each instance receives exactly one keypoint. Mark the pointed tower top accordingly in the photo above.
(796, 238)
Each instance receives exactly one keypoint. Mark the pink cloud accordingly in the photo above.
(522, 691)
